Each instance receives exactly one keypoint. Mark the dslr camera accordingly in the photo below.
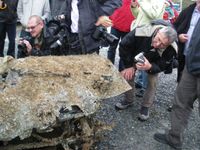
(101, 33)
(139, 58)
(22, 46)
(57, 32)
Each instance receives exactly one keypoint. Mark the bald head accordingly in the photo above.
(35, 25)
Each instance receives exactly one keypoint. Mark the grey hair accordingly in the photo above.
(38, 18)
(170, 33)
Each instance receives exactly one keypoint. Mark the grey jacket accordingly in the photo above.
(27, 8)
(88, 15)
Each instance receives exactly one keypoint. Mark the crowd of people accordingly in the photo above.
(150, 34)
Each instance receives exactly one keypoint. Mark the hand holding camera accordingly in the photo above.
(141, 62)
(24, 45)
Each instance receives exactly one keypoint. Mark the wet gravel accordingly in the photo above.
(128, 133)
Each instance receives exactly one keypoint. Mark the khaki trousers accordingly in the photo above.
(149, 94)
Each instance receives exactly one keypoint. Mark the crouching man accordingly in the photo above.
(45, 38)
(157, 42)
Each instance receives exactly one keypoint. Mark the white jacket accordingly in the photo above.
(27, 8)
(147, 11)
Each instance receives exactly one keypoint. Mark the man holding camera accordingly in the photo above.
(82, 18)
(156, 41)
(42, 41)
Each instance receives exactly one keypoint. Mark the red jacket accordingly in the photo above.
(122, 17)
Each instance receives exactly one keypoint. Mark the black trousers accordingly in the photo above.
(10, 29)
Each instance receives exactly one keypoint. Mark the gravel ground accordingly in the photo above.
(128, 133)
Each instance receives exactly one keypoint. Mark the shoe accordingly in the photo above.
(137, 86)
(169, 109)
(144, 113)
(123, 105)
(140, 93)
(162, 138)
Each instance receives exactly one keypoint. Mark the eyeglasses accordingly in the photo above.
(33, 27)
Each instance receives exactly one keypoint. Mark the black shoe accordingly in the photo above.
(137, 86)
(140, 93)
(162, 138)
(144, 113)
(169, 109)
(123, 105)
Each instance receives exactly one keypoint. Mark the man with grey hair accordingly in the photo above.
(155, 44)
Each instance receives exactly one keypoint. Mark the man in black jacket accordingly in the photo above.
(82, 18)
(45, 39)
(188, 88)
(158, 46)
(8, 21)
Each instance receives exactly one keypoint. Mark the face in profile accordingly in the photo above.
(35, 27)
(160, 41)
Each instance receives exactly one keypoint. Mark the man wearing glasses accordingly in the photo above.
(37, 44)
(158, 46)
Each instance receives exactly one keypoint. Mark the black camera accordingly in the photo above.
(139, 58)
(56, 32)
(22, 46)
(101, 34)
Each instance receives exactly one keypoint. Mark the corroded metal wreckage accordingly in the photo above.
(49, 101)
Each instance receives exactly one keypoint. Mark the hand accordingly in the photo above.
(183, 38)
(128, 73)
(104, 21)
(144, 66)
(28, 45)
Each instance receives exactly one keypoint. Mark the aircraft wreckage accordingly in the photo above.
(49, 101)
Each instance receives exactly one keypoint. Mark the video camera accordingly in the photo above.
(101, 34)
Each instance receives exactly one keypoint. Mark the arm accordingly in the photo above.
(127, 49)
(153, 10)
(46, 10)
(20, 10)
(108, 7)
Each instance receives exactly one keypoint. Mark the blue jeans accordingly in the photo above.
(113, 47)
(10, 29)
(141, 79)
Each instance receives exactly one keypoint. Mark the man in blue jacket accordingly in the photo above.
(82, 18)
(8, 21)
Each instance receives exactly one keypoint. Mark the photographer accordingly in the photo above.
(156, 41)
(83, 17)
(46, 39)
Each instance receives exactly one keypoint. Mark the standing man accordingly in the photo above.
(8, 21)
(188, 89)
(27, 8)
(83, 17)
